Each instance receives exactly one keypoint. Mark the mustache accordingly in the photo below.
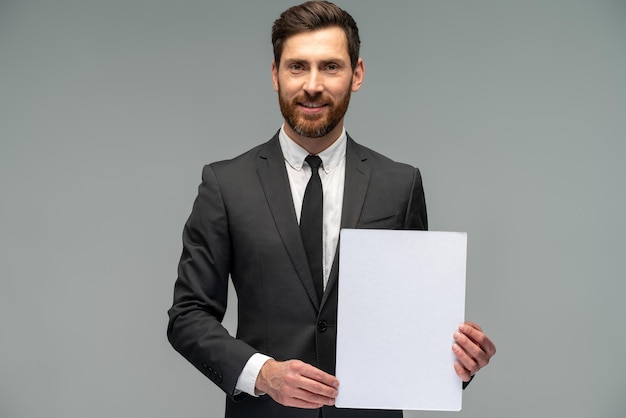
(308, 99)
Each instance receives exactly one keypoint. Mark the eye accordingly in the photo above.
(296, 67)
(332, 68)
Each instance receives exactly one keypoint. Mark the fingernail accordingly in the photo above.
(457, 335)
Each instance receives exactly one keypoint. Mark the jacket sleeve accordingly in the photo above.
(201, 291)
(416, 217)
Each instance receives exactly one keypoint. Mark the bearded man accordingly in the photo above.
(254, 221)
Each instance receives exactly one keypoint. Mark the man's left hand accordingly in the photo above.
(473, 350)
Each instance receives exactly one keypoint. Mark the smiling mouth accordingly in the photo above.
(312, 105)
(311, 108)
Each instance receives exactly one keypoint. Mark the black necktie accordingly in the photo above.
(311, 223)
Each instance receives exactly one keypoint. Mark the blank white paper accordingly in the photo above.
(401, 298)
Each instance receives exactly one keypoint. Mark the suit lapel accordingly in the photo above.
(273, 175)
(355, 188)
(357, 180)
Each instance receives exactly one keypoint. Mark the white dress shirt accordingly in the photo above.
(332, 173)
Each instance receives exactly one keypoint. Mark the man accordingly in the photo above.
(251, 221)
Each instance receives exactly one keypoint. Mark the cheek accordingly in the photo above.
(339, 90)
(285, 87)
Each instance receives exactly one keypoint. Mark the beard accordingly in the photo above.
(315, 125)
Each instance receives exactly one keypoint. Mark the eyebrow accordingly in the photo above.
(338, 61)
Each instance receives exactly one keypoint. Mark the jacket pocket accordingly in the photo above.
(380, 222)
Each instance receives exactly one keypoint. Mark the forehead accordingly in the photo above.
(322, 44)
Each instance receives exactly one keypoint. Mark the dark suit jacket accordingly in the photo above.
(243, 224)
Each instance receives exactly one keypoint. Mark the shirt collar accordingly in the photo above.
(294, 154)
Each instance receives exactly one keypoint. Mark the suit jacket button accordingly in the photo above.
(322, 326)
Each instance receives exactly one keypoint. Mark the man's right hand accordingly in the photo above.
(297, 384)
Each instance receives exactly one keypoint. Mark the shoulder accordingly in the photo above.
(378, 162)
(246, 161)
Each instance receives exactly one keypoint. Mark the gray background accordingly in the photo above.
(514, 111)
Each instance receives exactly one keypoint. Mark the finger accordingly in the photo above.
(298, 403)
(291, 393)
(465, 360)
(318, 375)
(474, 332)
(473, 325)
(314, 384)
(312, 398)
(297, 384)
(462, 372)
(471, 348)
(320, 390)
(317, 381)
(295, 397)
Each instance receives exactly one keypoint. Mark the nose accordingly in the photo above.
(314, 83)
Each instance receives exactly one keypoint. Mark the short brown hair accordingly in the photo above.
(310, 16)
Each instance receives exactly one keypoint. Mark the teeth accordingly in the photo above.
(312, 105)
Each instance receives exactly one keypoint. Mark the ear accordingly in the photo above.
(357, 75)
(275, 75)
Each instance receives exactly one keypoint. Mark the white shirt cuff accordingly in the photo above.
(250, 372)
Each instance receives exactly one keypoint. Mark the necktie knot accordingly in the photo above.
(314, 162)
